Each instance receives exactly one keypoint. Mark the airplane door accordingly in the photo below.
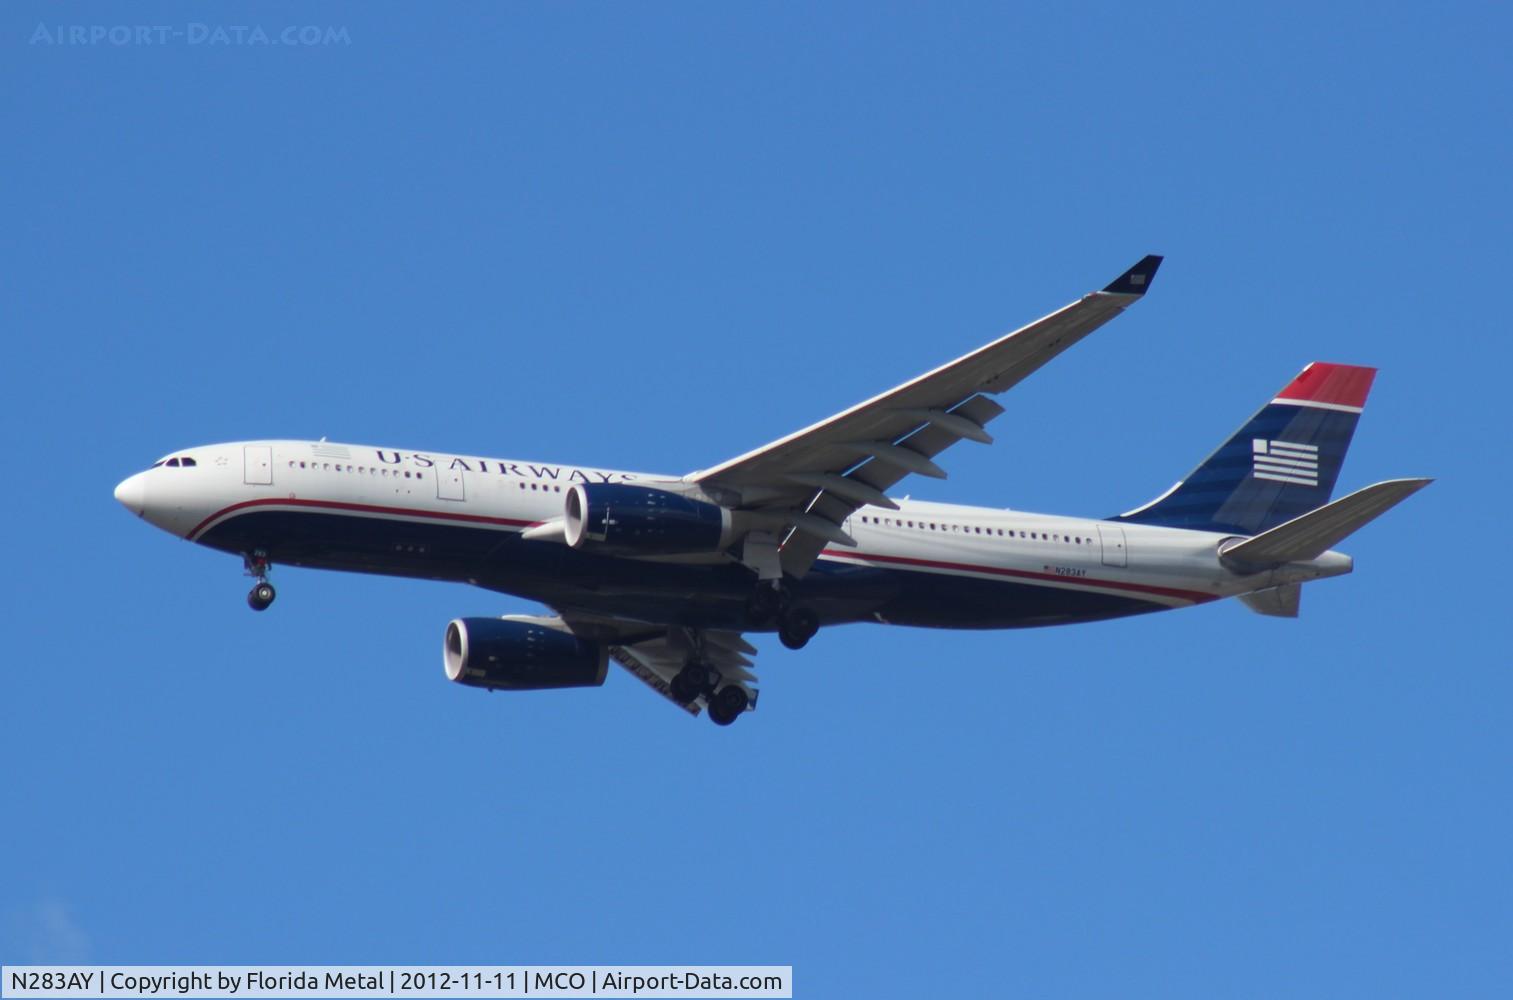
(449, 485)
(257, 465)
(1112, 538)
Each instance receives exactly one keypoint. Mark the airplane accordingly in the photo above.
(665, 574)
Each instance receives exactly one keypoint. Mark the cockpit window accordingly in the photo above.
(188, 463)
(173, 463)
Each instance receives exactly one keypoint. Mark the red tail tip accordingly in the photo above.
(1336, 385)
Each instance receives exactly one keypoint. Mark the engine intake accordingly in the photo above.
(620, 519)
(497, 653)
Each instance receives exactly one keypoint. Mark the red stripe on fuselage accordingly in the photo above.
(361, 508)
(1197, 597)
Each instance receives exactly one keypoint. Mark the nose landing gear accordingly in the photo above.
(260, 596)
(262, 593)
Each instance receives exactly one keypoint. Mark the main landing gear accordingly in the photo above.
(797, 623)
(725, 703)
(797, 626)
(693, 680)
(766, 602)
(262, 593)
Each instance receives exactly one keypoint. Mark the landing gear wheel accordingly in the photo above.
(727, 705)
(690, 682)
(260, 596)
(797, 627)
(765, 603)
(262, 593)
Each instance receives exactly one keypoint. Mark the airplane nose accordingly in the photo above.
(131, 493)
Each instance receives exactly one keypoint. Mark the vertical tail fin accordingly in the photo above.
(1282, 463)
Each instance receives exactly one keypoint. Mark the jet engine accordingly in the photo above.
(498, 653)
(620, 519)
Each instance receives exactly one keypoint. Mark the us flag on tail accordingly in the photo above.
(1283, 462)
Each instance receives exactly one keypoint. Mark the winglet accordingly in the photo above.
(1137, 280)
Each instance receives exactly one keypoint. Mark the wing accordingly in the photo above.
(654, 653)
(814, 479)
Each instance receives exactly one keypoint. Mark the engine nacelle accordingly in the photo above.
(520, 656)
(620, 519)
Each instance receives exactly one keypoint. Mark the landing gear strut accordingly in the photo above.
(766, 602)
(262, 593)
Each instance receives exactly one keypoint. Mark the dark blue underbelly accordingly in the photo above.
(711, 596)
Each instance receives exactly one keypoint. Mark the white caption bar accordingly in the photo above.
(476, 981)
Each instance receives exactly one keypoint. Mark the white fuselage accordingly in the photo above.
(424, 513)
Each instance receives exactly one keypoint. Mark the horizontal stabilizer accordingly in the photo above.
(1276, 602)
(1313, 534)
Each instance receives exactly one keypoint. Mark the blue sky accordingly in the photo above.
(652, 237)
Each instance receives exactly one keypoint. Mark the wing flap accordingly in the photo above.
(800, 549)
(646, 673)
